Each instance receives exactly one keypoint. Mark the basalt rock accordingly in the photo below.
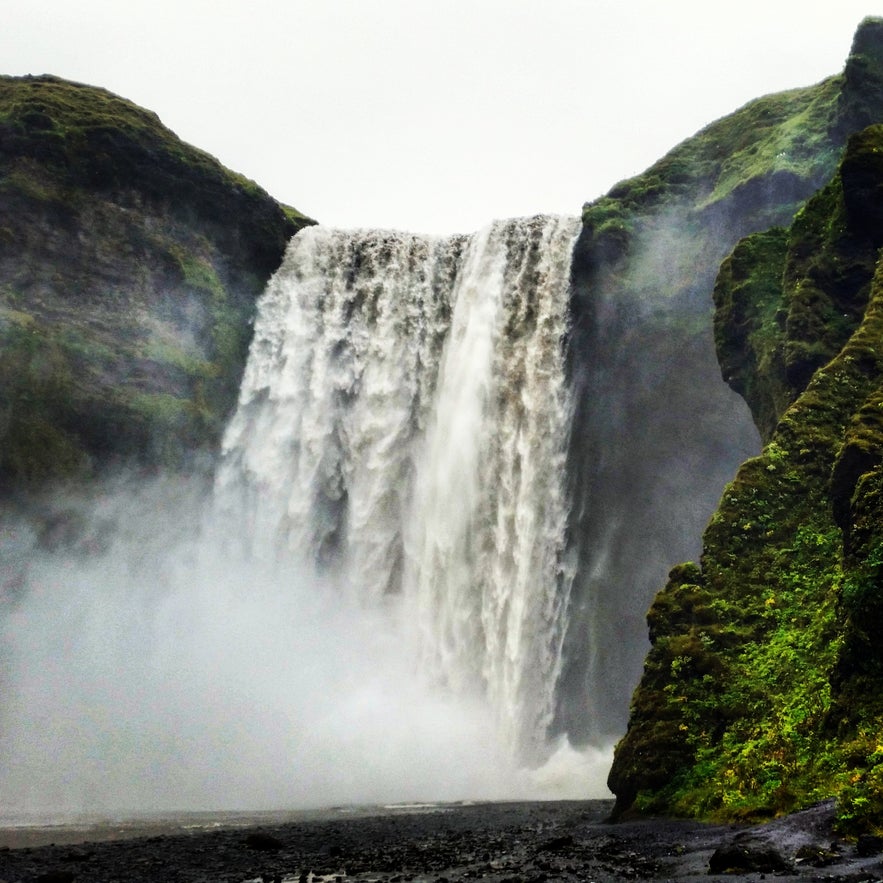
(129, 267)
(762, 687)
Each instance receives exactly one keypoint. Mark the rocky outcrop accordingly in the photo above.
(129, 266)
(656, 433)
(761, 691)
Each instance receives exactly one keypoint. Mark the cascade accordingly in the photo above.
(318, 458)
(455, 477)
(403, 424)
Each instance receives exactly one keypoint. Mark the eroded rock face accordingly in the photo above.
(762, 687)
(129, 265)
(656, 432)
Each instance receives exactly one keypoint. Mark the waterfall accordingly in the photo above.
(402, 424)
(488, 576)
(319, 457)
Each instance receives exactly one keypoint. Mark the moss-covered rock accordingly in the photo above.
(781, 315)
(749, 323)
(129, 267)
(655, 434)
(789, 706)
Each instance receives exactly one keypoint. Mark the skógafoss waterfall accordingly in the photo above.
(442, 506)
(403, 423)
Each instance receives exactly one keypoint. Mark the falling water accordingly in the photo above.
(402, 423)
(319, 456)
(486, 552)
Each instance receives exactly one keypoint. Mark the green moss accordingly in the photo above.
(96, 138)
(776, 692)
(27, 178)
(768, 143)
(787, 301)
(35, 448)
(863, 86)
(198, 271)
(165, 411)
(186, 359)
(749, 325)
(38, 382)
(296, 217)
(130, 263)
(781, 135)
(762, 687)
(658, 239)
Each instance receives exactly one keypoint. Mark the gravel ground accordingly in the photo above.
(495, 842)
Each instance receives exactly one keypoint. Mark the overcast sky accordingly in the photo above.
(434, 115)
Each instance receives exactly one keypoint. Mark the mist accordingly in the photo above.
(656, 435)
(151, 666)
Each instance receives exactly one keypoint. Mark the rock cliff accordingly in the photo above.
(761, 692)
(129, 265)
(656, 433)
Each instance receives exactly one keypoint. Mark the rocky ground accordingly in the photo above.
(491, 842)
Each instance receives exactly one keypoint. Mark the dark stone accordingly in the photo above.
(263, 842)
(79, 855)
(818, 856)
(747, 855)
(868, 845)
(56, 877)
(556, 844)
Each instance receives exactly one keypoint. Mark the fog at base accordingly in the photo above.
(148, 666)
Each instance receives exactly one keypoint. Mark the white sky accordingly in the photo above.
(434, 115)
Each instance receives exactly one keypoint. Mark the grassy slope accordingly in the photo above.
(129, 265)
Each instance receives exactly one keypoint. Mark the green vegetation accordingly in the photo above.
(644, 271)
(129, 267)
(746, 172)
(742, 173)
(762, 686)
(749, 323)
(778, 137)
(772, 139)
(96, 140)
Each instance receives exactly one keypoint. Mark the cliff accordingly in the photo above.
(762, 689)
(657, 433)
(129, 266)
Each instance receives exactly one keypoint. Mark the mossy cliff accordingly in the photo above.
(129, 267)
(763, 688)
(657, 433)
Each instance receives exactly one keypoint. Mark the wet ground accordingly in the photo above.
(499, 843)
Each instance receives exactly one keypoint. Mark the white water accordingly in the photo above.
(486, 571)
(377, 614)
(403, 422)
(319, 456)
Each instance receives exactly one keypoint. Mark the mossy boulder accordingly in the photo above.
(129, 267)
